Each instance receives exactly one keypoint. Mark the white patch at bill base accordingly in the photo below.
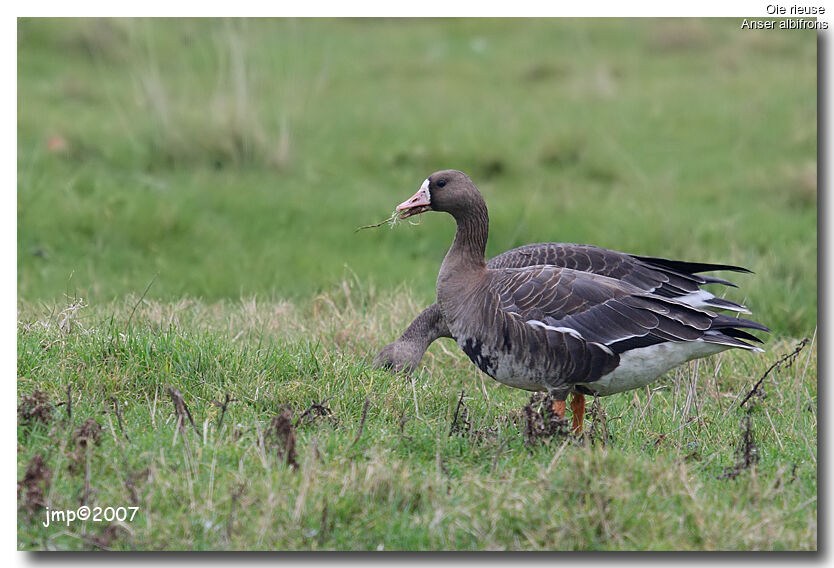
(425, 187)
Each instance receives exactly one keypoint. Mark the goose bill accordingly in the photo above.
(420, 202)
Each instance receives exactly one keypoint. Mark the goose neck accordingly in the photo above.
(467, 251)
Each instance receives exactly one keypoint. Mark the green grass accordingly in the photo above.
(228, 163)
(236, 158)
(399, 480)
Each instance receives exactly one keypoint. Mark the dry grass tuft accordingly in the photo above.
(747, 453)
(541, 423)
(395, 218)
(460, 421)
(87, 434)
(34, 408)
(317, 410)
(283, 438)
(32, 488)
(68, 317)
(181, 410)
(105, 539)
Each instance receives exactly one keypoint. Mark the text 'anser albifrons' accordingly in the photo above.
(563, 318)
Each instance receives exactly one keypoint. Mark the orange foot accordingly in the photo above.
(577, 407)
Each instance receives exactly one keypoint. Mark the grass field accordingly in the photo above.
(224, 165)
(654, 473)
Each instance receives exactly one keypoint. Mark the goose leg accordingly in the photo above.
(577, 407)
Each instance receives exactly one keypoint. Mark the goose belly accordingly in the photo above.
(639, 367)
(502, 366)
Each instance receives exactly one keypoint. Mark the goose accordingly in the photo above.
(671, 278)
(558, 328)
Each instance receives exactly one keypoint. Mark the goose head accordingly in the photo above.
(400, 356)
(449, 191)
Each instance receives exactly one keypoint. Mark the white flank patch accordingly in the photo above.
(568, 330)
(639, 367)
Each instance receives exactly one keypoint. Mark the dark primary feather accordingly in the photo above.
(691, 267)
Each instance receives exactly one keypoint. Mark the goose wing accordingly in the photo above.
(668, 278)
(609, 312)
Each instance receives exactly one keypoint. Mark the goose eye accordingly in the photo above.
(440, 183)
